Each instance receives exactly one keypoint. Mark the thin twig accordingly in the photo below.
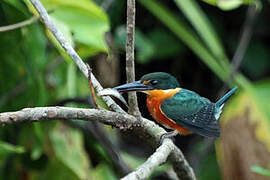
(246, 34)
(159, 157)
(130, 67)
(19, 25)
(245, 37)
(92, 90)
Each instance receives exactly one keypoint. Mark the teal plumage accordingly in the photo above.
(222, 100)
(195, 113)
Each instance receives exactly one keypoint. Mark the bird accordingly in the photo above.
(182, 110)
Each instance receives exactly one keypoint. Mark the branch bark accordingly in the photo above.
(130, 68)
(38, 114)
(159, 157)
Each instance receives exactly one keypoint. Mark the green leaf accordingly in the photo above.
(65, 29)
(56, 170)
(208, 168)
(27, 61)
(34, 47)
(184, 33)
(18, 5)
(145, 47)
(262, 62)
(229, 4)
(133, 162)
(262, 97)
(6, 148)
(68, 147)
(212, 2)
(203, 26)
(103, 172)
(232, 4)
(83, 18)
(159, 37)
(261, 170)
(37, 150)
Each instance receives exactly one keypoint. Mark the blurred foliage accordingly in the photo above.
(261, 63)
(68, 147)
(150, 46)
(260, 170)
(169, 35)
(251, 115)
(229, 4)
(211, 171)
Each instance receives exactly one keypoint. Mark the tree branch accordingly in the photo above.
(71, 52)
(159, 157)
(130, 68)
(122, 121)
(38, 114)
(152, 133)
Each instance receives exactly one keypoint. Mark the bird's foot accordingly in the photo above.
(168, 135)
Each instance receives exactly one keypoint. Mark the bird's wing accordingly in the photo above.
(193, 112)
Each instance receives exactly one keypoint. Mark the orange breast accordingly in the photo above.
(154, 99)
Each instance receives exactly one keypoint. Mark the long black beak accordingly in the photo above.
(135, 86)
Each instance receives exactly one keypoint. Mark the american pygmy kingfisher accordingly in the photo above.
(176, 108)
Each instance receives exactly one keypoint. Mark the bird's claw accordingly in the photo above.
(170, 134)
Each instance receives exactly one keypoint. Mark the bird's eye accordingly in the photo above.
(154, 82)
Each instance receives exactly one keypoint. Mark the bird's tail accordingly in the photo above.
(222, 100)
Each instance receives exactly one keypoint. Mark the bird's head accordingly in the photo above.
(151, 81)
